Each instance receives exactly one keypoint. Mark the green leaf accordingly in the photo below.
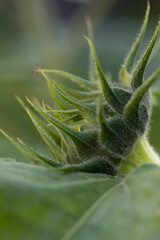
(38, 203)
(137, 77)
(127, 66)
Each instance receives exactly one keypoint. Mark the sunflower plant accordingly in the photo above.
(103, 179)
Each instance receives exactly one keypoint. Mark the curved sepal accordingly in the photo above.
(80, 81)
(137, 76)
(30, 152)
(109, 95)
(131, 112)
(33, 156)
(93, 75)
(126, 69)
(87, 111)
(50, 137)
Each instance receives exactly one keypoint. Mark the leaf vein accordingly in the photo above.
(74, 229)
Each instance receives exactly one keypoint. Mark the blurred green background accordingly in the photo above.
(48, 32)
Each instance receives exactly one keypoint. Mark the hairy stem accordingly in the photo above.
(142, 153)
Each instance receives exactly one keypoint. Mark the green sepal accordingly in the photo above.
(65, 112)
(123, 94)
(73, 115)
(93, 76)
(68, 147)
(73, 119)
(90, 28)
(95, 165)
(59, 101)
(41, 158)
(109, 95)
(126, 69)
(112, 140)
(85, 142)
(88, 111)
(80, 81)
(34, 157)
(137, 76)
(132, 111)
(50, 137)
(80, 95)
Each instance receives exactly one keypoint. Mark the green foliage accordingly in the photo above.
(40, 203)
(96, 124)
(94, 127)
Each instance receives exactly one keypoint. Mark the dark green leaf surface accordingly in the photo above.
(36, 203)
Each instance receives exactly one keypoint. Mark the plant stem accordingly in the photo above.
(142, 153)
